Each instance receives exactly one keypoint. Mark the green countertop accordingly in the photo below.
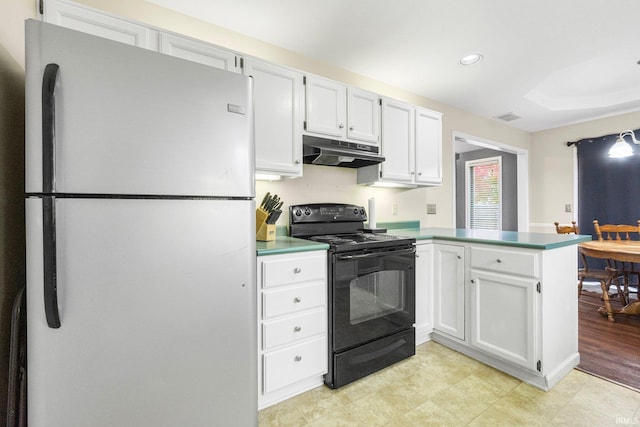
(285, 244)
(501, 238)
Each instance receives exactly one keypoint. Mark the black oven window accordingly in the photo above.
(376, 295)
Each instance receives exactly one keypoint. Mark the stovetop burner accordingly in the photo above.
(338, 225)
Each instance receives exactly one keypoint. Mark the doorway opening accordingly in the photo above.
(514, 197)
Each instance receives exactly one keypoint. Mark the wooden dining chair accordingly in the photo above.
(621, 232)
(567, 229)
(604, 276)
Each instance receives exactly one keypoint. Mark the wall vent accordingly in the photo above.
(508, 117)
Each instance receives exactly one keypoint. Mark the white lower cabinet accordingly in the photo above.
(424, 291)
(503, 317)
(449, 290)
(292, 330)
(518, 308)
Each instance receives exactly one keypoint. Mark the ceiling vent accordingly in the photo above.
(508, 117)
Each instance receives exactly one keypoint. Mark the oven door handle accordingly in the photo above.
(376, 254)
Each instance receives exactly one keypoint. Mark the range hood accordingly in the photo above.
(331, 152)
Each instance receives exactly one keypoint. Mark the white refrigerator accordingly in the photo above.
(141, 300)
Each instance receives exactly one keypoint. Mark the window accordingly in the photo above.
(483, 183)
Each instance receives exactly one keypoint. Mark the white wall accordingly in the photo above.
(552, 167)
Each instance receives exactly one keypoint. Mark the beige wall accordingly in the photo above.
(553, 167)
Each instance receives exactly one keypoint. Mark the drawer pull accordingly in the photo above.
(459, 257)
(297, 300)
(297, 358)
(297, 270)
(498, 260)
(297, 329)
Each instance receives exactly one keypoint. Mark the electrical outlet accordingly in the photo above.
(567, 207)
(394, 209)
(431, 209)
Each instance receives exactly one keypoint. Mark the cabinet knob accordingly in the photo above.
(419, 173)
(297, 329)
(297, 358)
(417, 255)
(341, 125)
(297, 162)
(459, 257)
(413, 173)
(498, 260)
(297, 300)
(351, 128)
(473, 281)
(297, 270)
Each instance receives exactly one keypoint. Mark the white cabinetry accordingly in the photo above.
(449, 290)
(424, 291)
(411, 144)
(292, 330)
(521, 310)
(87, 20)
(278, 118)
(196, 51)
(340, 112)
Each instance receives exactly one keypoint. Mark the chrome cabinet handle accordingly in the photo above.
(297, 358)
(297, 300)
(297, 270)
(297, 329)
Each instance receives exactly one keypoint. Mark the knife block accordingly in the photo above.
(264, 232)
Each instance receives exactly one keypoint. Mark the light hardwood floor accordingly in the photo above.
(440, 387)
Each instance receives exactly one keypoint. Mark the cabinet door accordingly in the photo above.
(195, 51)
(99, 24)
(397, 141)
(363, 115)
(448, 289)
(428, 147)
(326, 107)
(278, 123)
(503, 317)
(424, 292)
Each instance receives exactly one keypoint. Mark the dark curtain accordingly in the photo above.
(608, 189)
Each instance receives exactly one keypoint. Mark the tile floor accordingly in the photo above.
(440, 387)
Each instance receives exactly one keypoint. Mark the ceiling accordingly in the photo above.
(549, 62)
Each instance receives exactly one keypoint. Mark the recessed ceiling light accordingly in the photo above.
(471, 59)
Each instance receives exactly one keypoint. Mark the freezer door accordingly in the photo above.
(158, 311)
(125, 120)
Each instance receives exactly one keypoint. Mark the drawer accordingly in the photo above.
(287, 331)
(295, 363)
(293, 299)
(504, 261)
(299, 269)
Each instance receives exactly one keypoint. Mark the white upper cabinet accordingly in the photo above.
(341, 112)
(397, 141)
(326, 107)
(278, 118)
(428, 141)
(81, 18)
(411, 143)
(203, 53)
(363, 116)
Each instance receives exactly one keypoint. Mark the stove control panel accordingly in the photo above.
(326, 212)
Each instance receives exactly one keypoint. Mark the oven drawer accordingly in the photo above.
(286, 271)
(510, 262)
(295, 363)
(293, 299)
(286, 331)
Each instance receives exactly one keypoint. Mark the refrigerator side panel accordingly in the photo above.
(158, 311)
(132, 121)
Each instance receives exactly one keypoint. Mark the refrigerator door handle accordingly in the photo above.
(50, 262)
(48, 200)
(49, 127)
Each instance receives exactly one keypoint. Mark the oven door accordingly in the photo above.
(373, 295)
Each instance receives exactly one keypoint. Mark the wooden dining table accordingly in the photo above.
(617, 250)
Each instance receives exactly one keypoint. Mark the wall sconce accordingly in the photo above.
(622, 148)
